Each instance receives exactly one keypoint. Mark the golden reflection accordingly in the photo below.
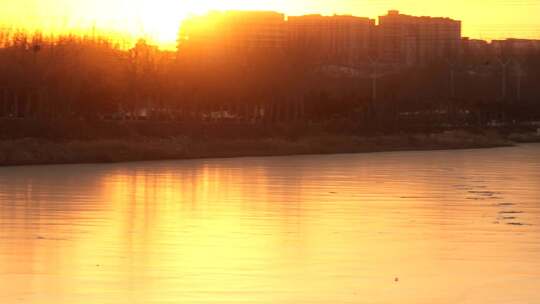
(288, 230)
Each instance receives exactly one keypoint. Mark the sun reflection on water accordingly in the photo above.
(420, 227)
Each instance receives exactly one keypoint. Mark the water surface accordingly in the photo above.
(404, 227)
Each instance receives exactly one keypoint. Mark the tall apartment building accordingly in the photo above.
(515, 47)
(233, 32)
(340, 40)
(335, 39)
(410, 40)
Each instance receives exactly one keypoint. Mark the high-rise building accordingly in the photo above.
(233, 32)
(410, 40)
(326, 40)
(335, 39)
(515, 47)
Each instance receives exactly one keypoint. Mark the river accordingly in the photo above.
(401, 227)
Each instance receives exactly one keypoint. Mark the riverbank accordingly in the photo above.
(31, 151)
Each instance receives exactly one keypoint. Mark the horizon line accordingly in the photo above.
(83, 28)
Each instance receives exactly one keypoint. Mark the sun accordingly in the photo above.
(156, 20)
(160, 20)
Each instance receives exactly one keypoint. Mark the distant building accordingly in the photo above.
(515, 47)
(474, 48)
(411, 40)
(335, 39)
(233, 32)
(327, 40)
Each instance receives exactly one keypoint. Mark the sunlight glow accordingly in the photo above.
(159, 20)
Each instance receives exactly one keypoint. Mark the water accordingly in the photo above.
(406, 227)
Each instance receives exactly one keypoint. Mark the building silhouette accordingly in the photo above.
(410, 40)
(398, 39)
(344, 40)
(515, 47)
(233, 33)
(474, 47)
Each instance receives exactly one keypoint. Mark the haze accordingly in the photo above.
(159, 19)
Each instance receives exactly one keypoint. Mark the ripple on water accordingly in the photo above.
(385, 228)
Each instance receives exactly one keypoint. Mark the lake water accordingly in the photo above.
(404, 227)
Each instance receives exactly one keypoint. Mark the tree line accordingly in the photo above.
(85, 77)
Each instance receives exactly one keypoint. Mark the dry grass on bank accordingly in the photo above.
(38, 151)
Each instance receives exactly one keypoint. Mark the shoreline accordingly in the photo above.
(32, 151)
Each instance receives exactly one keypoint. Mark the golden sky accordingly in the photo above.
(159, 19)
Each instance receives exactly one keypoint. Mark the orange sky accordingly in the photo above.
(159, 19)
